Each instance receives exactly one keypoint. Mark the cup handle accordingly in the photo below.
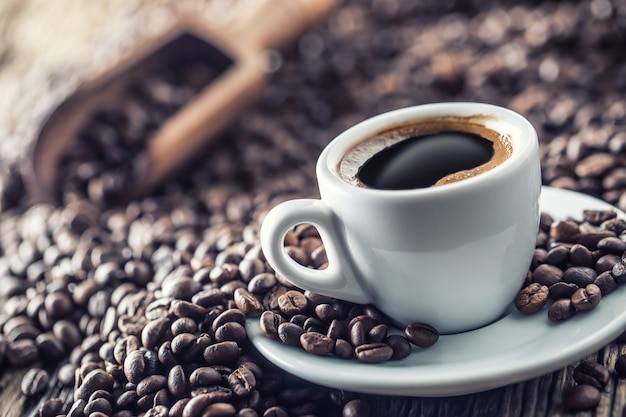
(338, 279)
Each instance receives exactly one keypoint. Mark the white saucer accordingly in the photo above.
(513, 349)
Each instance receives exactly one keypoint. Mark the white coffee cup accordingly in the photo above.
(453, 256)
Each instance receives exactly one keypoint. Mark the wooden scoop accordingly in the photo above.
(239, 49)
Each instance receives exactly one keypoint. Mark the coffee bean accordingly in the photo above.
(134, 366)
(317, 343)
(373, 352)
(34, 382)
(242, 381)
(183, 325)
(582, 397)
(532, 298)
(247, 303)
(222, 353)
(591, 373)
(579, 275)
(606, 283)
(292, 302)
(22, 352)
(356, 408)
(101, 405)
(51, 407)
(269, 323)
(562, 290)
(290, 333)
(204, 376)
(421, 334)
(587, 298)
(400, 346)
(151, 384)
(93, 381)
(344, 349)
(561, 309)
(154, 331)
(232, 331)
(579, 255)
(565, 231)
(547, 275)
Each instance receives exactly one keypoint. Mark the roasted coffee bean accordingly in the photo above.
(582, 397)
(222, 353)
(34, 382)
(93, 381)
(77, 409)
(547, 274)
(151, 384)
(269, 323)
(358, 333)
(204, 376)
(22, 352)
(532, 298)
(619, 272)
(606, 283)
(247, 303)
(373, 352)
(275, 411)
(557, 255)
(579, 275)
(586, 298)
(591, 373)
(597, 217)
(607, 262)
(261, 283)
(579, 255)
(154, 331)
(565, 231)
(101, 405)
(177, 382)
(356, 408)
(562, 290)
(183, 325)
(290, 333)
(232, 331)
(400, 346)
(230, 315)
(561, 309)
(612, 245)
(181, 308)
(157, 411)
(242, 381)
(421, 334)
(344, 349)
(317, 343)
(292, 302)
(51, 407)
(337, 329)
(134, 366)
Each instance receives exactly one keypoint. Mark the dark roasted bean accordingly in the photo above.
(317, 343)
(51, 407)
(290, 333)
(421, 334)
(586, 298)
(547, 275)
(222, 353)
(582, 397)
(373, 352)
(269, 323)
(579, 275)
(561, 309)
(356, 408)
(35, 382)
(591, 373)
(247, 303)
(292, 302)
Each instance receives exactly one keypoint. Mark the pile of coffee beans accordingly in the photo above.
(144, 304)
(101, 163)
(575, 264)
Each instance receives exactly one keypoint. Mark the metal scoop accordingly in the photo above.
(237, 51)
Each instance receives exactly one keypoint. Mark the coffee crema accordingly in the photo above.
(424, 154)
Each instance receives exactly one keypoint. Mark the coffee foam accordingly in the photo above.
(354, 158)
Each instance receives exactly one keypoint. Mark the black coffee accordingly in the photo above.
(425, 154)
(421, 161)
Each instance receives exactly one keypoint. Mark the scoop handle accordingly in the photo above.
(270, 24)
